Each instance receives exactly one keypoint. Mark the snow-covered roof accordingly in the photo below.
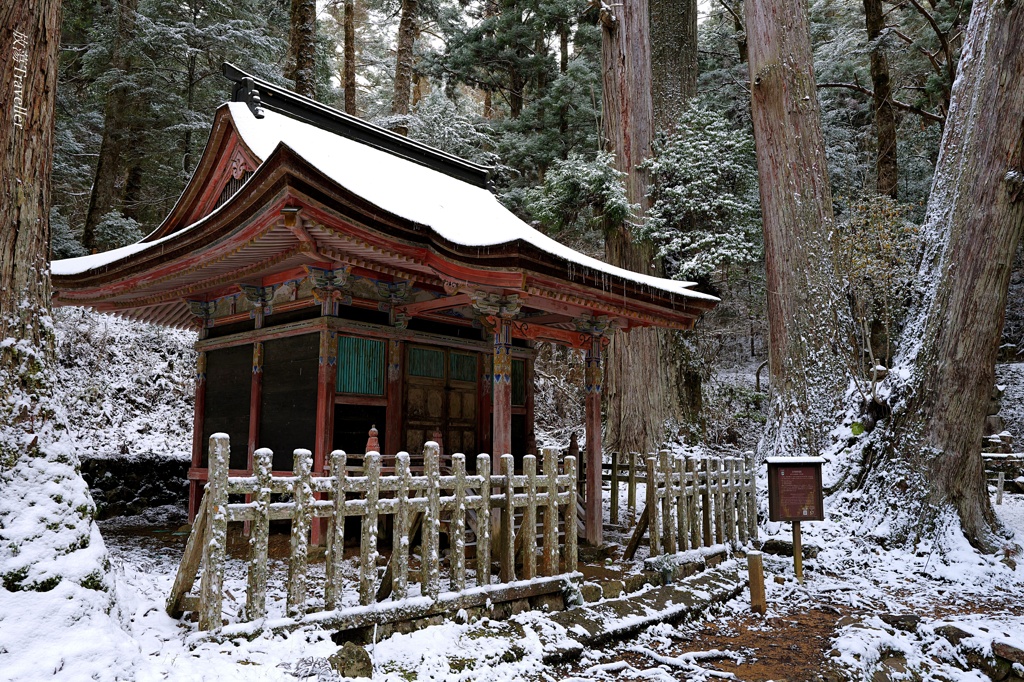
(457, 211)
(369, 198)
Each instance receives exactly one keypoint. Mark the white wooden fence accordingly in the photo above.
(696, 502)
(458, 500)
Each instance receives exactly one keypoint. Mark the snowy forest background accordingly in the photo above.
(517, 86)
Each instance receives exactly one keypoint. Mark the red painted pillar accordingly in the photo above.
(484, 403)
(255, 406)
(255, 399)
(531, 432)
(502, 394)
(327, 377)
(393, 428)
(594, 520)
(195, 488)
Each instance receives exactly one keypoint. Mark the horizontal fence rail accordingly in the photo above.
(419, 506)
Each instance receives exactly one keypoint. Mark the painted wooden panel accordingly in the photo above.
(361, 365)
(288, 413)
(226, 408)
(463, 367)
(426, 362)
(519, 382)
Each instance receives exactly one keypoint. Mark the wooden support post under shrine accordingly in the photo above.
(393, 426)
(592, 420)
(255, 405)
(255, 399)
(502, 393)
(195, 490)
(326, 384)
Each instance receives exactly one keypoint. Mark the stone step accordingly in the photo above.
(584, 627)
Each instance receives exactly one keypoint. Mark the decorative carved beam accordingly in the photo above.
(436, 304)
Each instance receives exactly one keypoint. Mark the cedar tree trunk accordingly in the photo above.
(403, 63)
(638, 396)
(302, 47)
(46, 527)
(972, 227)
(117, 129)
(349, 79)
(886, 167)
(673, 82)
(673, 58)
(809, 358)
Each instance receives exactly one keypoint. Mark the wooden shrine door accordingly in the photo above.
(441, 395)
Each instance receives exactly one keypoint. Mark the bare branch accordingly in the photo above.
(943, 39)
(731, 11)
(903, 106)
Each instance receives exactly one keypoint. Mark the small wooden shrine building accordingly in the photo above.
(342, 276)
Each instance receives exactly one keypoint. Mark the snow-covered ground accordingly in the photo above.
(851, 584)
(977, 593)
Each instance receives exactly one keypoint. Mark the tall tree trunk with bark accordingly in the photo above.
(809, 358)
(886, 163)
(47, 535)
(673, 58)
(349, 75)
(404, 63)
(302, 47)
(673, 83)
(638, 396)
(945, 369)
(118, 130)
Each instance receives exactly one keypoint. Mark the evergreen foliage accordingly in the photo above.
(579, 198)
(704, 211)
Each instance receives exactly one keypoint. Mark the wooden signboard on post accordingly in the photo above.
(795, 494)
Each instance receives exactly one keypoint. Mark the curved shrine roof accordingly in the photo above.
(371, 206)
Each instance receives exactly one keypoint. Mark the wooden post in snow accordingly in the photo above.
(798, 553)
(594, 520)
(653, 522)
(730, 501)
(336, 546)
(402, 530)
(302, 494)
(614, 518)
(256, 598)
(705, 500)
(719, 502)
(368, 542)
(483, 522)
(666, 503)
(458, 525)
(755, 575)
(549, 462)
(508, 534)
(693, 485)
(529, 527)
(211, 586)
(570, 518)
(681, 518)
(752, 526)
(631, 490)
(429, 545)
